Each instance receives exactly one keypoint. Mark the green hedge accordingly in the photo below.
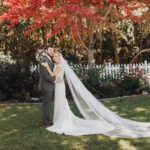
(122, 84)
(18, 83)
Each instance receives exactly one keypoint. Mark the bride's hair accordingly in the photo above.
(59, 54)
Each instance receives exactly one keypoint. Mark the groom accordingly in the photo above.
(47, 85)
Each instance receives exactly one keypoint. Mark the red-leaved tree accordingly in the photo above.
(80, 19)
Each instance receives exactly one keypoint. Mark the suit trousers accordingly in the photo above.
(46, 106)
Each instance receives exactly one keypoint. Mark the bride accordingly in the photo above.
(97, 118)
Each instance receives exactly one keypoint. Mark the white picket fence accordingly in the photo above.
(113, 70)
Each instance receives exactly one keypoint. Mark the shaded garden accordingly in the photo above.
(86, 32)
(20, 128)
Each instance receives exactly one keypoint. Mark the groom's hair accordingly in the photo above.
(47, 46)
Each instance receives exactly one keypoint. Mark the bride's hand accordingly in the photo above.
(45, 64)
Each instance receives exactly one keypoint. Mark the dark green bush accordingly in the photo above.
(16, 83)
(122, 84)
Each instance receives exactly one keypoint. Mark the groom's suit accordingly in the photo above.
(47, 86)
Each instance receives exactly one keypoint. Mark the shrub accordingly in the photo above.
(16, 82)
(104, 87)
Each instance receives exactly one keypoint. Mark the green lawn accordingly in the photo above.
(20, 128)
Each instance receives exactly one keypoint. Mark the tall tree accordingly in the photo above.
(83, 20)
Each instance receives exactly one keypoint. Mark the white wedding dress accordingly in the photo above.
(97, 118)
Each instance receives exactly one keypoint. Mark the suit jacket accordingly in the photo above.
(47, 82)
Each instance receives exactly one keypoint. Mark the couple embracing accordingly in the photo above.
(97, 119)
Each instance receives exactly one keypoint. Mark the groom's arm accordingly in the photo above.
(45, 75)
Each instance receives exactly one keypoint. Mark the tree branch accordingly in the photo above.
(110, 6)
(142, 51)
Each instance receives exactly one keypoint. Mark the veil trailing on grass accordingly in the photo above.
(92, 109)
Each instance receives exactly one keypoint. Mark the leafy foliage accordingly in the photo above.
(72, 15)
(16, 82)
(123, 84)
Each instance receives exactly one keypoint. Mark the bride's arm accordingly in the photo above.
(54, 73)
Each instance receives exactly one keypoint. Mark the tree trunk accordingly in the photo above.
(44, 35)
(115, 43)
(90, 57)
(117, 60)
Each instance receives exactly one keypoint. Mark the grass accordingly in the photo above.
(20, 128)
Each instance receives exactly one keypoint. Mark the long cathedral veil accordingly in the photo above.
(92, 109)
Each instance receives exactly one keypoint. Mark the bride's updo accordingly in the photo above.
(57, 52)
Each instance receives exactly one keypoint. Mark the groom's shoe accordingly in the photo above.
(50, 123)
(46, 125)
